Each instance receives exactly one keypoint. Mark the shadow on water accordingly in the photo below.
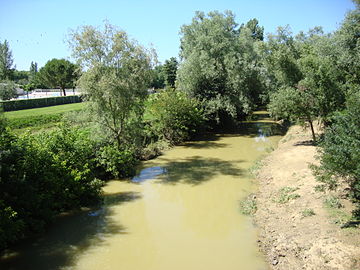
(205, 141)
(69, 236)
(196, 170)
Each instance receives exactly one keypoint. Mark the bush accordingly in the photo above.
(7, 90)
(340, 150)
(119, 163)
(21, 104)
(42, 176)
(173, 116)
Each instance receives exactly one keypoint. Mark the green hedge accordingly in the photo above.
(21, 104)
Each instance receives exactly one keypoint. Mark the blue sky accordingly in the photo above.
(37, 29)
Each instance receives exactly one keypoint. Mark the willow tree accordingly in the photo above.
(220, 65)
(117, 73)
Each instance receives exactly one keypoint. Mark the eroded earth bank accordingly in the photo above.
(299, 227)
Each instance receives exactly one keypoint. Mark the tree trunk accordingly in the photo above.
(312, 130)
(64, 92)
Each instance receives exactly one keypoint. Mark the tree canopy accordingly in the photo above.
(117, 74)
(58, 73)
(220, 64)
(6, 61)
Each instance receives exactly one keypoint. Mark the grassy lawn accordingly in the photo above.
(59, 109)
(39, 118)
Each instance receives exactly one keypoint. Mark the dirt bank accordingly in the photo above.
(300, 228)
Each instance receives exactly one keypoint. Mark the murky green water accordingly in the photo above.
(180, 212)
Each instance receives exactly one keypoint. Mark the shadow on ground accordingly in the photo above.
(68, 237)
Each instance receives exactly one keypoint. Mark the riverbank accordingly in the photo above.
(299, 227)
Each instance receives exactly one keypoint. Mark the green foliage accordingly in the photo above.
(173, 116)
(332, 202)
(22, 104)
(58, 73)
(286, 194)
(158, 78)
(295, 105)
(20, 77)
(170, 69)
(7, 90)
(118, 73)
(308, 212)
(340, 149)
(257, 32)
(6, 61)
(248, 206)
(280, 56)
(41, 176)
(117, 162)
(220, 65)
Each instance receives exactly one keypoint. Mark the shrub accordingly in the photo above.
(42, 176)
(117, 162)
(286, 194)
(308, 212)
(340, 150)
(173, 116)
(7, 90)
(248, 206)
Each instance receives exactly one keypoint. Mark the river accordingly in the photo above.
(180, 212)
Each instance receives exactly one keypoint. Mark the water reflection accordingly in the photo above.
(70, 235)
(148, 174)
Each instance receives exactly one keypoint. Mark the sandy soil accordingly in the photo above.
(297, 229)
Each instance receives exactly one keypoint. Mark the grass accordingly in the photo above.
(248, 206)
(332, 202)
(308, 212)
(256, 166)
(39, 118)
(286, 194)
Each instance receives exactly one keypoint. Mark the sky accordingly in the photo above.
(37, 30)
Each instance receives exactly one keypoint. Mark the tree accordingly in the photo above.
(219, 65)
(173, 115)
(6, 61)
(257, 32)
(33, 70)
(7, 90)
(158, 77)
(339, 153)
(117, 74)
(58, 73)
(280, 56)
(347, 39)
(170, 69)
(295, 105)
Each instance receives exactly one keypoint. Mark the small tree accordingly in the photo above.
(170, 69)
(7, 90)
(6, 61)
(117, 75)
(58, 73)
(295, 105)
(158, 77)
(33, 70)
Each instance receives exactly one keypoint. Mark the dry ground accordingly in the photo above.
(300, 228)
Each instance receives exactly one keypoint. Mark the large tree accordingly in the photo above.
(219, 64)
(117, 74)
(58, 73)
(6, 61)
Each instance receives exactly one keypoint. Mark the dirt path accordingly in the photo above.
(300, 228)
